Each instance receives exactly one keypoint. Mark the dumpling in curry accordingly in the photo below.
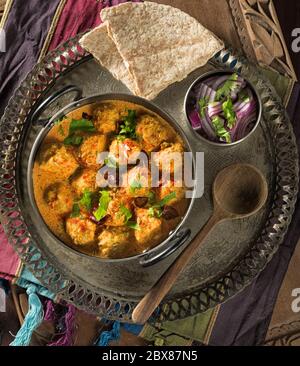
(170, 188)
(59, 197)
(106, 117)
(124, 151)
(137, 182)
(115, 241)
(150, 228)
(81, 230)
(170, 157)
(119, 210)
(90, 148)
(58, 159)
(153, 132)
(85, 180)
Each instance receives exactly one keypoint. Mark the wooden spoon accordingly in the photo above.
(239, 191)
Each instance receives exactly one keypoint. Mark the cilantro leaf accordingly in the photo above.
(86, 199)
(229, 113)
(202, 106)
(61, 130)
(126, 213)
(227, 87)
(166, 199)
(133, 225)
(111, 162)
(127, 128)
(73, 140)
(60, 127)
(220, 130)
(121, 138)
(101, 211)
(75, 211)
(84, 125)
(151, 212)
(136, 184)
(155, 211)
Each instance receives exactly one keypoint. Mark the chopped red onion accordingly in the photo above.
(242, 111)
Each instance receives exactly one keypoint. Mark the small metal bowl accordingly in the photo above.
(188, 102)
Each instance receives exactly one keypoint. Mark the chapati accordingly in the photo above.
(104, 50)
(159, 44)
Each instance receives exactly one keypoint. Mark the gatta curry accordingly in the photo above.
(117, 221)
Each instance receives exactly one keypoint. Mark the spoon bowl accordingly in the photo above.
(239, 191)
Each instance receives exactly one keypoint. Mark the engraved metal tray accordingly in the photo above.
(232, 256)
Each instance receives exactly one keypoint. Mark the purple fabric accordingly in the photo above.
(49, 311)
(66, 338)
(244, 320)
(25, 35)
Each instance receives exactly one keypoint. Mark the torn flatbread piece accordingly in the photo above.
(104, 50)
(159, 44)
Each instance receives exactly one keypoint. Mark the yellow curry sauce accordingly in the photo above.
(116, 222)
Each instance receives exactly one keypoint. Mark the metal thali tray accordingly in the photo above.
(232, 256)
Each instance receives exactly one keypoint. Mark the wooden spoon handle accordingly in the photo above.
(153, 298)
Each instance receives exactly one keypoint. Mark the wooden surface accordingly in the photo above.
(262, 26)
(2, 4)
(249, 26)
(217, 17)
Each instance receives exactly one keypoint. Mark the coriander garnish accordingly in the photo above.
(133, 225)
(75, 210)
(124, 211)
(229, 86)
(101, 211)
(203, 104)
(220, 130)
(229, 113)
(127, 128)
(157, 209)
(82, 125)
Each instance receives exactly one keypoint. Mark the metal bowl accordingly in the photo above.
(177, 237)
(188, 105)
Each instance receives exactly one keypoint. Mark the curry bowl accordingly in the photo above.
(109, 222)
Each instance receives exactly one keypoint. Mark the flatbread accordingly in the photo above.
(103, 48)
(159, 44)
